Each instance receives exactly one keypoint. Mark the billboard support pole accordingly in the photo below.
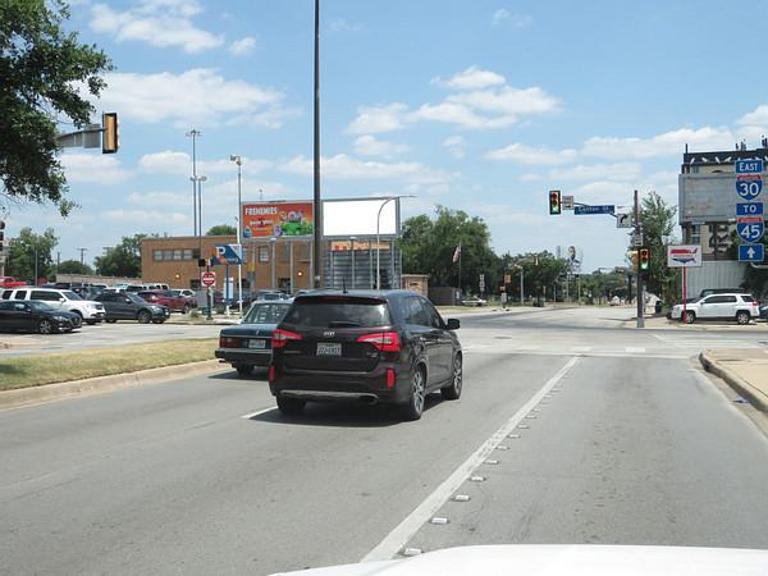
(318, 207)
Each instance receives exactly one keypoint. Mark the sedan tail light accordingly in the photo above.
(281, 337)
(382, 341)
(227, 342)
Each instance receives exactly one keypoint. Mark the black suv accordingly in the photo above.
(391, 347)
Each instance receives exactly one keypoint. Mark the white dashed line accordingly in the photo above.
(396, 539)
(258, 413)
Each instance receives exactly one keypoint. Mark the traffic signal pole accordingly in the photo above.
(640, 295)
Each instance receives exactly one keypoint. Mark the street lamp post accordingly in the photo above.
(378, 239)
(194, 134)
(239, 161)
(352, 240)
(273, 241)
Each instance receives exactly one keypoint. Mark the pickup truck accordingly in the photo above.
(11, 282)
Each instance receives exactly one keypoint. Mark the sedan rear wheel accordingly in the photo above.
(453, 390)
(415, 407)
(45, 327)
(144, 317)
(689, 317)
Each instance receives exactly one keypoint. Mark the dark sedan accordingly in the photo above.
(250, 344)
(128, 306)
(34, 316)
(390, 347)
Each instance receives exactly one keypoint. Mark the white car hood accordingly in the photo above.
(576, 560)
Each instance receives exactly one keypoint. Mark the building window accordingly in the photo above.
(695, 237)
(187, 255)
(195, 253)
(263, 253)
(167, 254)
(177, 254)
(158, 255)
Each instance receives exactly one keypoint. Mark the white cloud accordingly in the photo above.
(530, 177)
(667, 144)
(455, 146)
(145, 217)
(160, 23)
(504, 16)
(472, 78)
(376, 119)
(161, 198)
(617, 171)
(483, 101)
(174, 162)
(369, 145)
(522, 154)
(758, 117)
(197, 97)
(243, 46)
(95, 167)
(344, 167)
(344, 25)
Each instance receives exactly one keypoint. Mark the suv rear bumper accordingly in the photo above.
(368, 387)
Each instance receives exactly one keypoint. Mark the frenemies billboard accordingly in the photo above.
(277, 219)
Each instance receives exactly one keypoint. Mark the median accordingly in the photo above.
(42, 369)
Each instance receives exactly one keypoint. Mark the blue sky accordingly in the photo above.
(476, 105)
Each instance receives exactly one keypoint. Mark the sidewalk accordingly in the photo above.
(661, 322)
(746, 371)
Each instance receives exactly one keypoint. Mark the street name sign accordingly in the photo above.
(602, 209)
(684, 256)
(751, 253)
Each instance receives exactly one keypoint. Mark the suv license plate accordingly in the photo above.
(260, 344)
(328, 349)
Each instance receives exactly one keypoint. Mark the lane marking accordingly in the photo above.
(635, 349)
(399, 536)
(258, 413)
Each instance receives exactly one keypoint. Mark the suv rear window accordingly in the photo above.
(747, 298)
(338, 312)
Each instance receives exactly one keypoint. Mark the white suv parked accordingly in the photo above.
(735, 306)
(88, 310)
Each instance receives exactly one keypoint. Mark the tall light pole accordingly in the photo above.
(200, 180)
(354, 276)
(318, 207)
(239, 161)
(273, 241)
(378, 239)
(194, 134)
(82, 255)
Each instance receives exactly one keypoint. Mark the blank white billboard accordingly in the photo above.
(345, 218)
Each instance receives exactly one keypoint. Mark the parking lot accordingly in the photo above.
(102, 336)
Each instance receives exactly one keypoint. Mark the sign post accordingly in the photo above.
(684, 256)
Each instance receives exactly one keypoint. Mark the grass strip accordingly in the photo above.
(38, 370)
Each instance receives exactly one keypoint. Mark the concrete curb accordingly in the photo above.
(62, 390)
(744, 388)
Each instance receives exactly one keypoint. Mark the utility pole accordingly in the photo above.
(318, 207)
(82, 255)
(194, 134)
(639, 291)
(239, 161)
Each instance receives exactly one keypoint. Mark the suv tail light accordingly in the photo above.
(281, 337)
(382, 341)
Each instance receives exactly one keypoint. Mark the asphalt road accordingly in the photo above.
(582, 432)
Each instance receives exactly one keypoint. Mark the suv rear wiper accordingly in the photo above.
(343, 324)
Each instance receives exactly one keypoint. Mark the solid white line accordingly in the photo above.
(395, 540)
(258, 413)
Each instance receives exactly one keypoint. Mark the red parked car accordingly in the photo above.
(166, 298)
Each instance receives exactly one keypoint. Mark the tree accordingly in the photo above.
(222, 230)
(123, 259)
(658, 221)
(43, 69)
(73, 267)
(28, 247)
(428, 246)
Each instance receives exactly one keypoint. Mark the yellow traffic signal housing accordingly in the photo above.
(555, 202)
(109, 137)
(644, 258)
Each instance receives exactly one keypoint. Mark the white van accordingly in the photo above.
(89, 311)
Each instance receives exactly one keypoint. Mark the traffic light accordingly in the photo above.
(555, 202)
(109, 137)
(644, 259)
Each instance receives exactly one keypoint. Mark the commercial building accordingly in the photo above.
(359, 248)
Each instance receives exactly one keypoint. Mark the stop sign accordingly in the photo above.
(208, 279)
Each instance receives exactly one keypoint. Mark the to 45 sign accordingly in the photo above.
(751, 229)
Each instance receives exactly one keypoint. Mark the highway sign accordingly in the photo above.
(754, 166)
(749, 186)
(624, 220)
(750, 231)
(751, 253)
(603, 209)
(749, 208)
(208, 279)
(567, 202)
(684, 256)
(229, 253)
